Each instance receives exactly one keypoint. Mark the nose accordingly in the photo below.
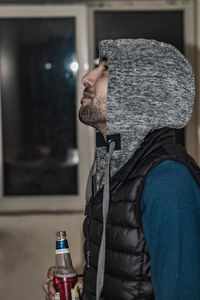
(88, 79)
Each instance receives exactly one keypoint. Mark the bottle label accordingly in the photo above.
(62, 244)
(74, 294)
(57, 296)
(61, 251)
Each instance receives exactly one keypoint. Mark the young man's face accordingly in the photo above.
(93, 103)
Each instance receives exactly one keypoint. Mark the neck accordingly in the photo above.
(102, 129)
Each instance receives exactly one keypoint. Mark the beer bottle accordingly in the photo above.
(65, 276)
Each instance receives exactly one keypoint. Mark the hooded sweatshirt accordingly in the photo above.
(150, 86)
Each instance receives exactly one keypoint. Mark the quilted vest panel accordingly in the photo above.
(127, 265)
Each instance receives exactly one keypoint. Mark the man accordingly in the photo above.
(143, 224)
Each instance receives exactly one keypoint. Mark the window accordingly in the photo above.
(43, 52)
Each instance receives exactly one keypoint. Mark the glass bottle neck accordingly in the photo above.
(62, 246)
(64, 265)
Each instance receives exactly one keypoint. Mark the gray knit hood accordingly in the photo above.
(150, 86)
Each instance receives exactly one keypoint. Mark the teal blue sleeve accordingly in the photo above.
(171, 223)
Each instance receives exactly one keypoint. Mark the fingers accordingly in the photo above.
(48, 297)
(45, 287)
(80, 285)
(48, 287)
(52, 290)
(50, 273)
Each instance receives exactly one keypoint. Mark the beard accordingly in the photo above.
(93, 114)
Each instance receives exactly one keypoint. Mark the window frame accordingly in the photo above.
(85, 134)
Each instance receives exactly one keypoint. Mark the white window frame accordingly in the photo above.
(188, 8)
(85, 135)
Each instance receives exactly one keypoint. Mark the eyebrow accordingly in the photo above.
(104, 58)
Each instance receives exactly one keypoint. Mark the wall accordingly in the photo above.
(28, 249)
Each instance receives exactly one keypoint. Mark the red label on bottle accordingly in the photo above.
(64, 285)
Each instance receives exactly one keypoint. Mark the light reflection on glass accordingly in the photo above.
(72, 158)
(48, 66)
(74, 66)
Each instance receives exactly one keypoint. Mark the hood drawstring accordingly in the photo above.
(88, 191)
(88, 199)
(106, 198)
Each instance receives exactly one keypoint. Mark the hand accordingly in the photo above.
(80, 285)
(49, 289)
(48, 286)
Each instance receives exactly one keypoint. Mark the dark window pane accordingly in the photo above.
(38, 80)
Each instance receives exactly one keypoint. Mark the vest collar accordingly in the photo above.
(151, 142)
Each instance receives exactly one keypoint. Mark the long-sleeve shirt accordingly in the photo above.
(171, 224)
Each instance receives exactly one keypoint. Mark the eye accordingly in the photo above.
(105, 67)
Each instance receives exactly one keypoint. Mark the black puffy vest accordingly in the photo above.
(127, 266)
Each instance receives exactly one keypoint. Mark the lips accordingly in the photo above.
(87, 96)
